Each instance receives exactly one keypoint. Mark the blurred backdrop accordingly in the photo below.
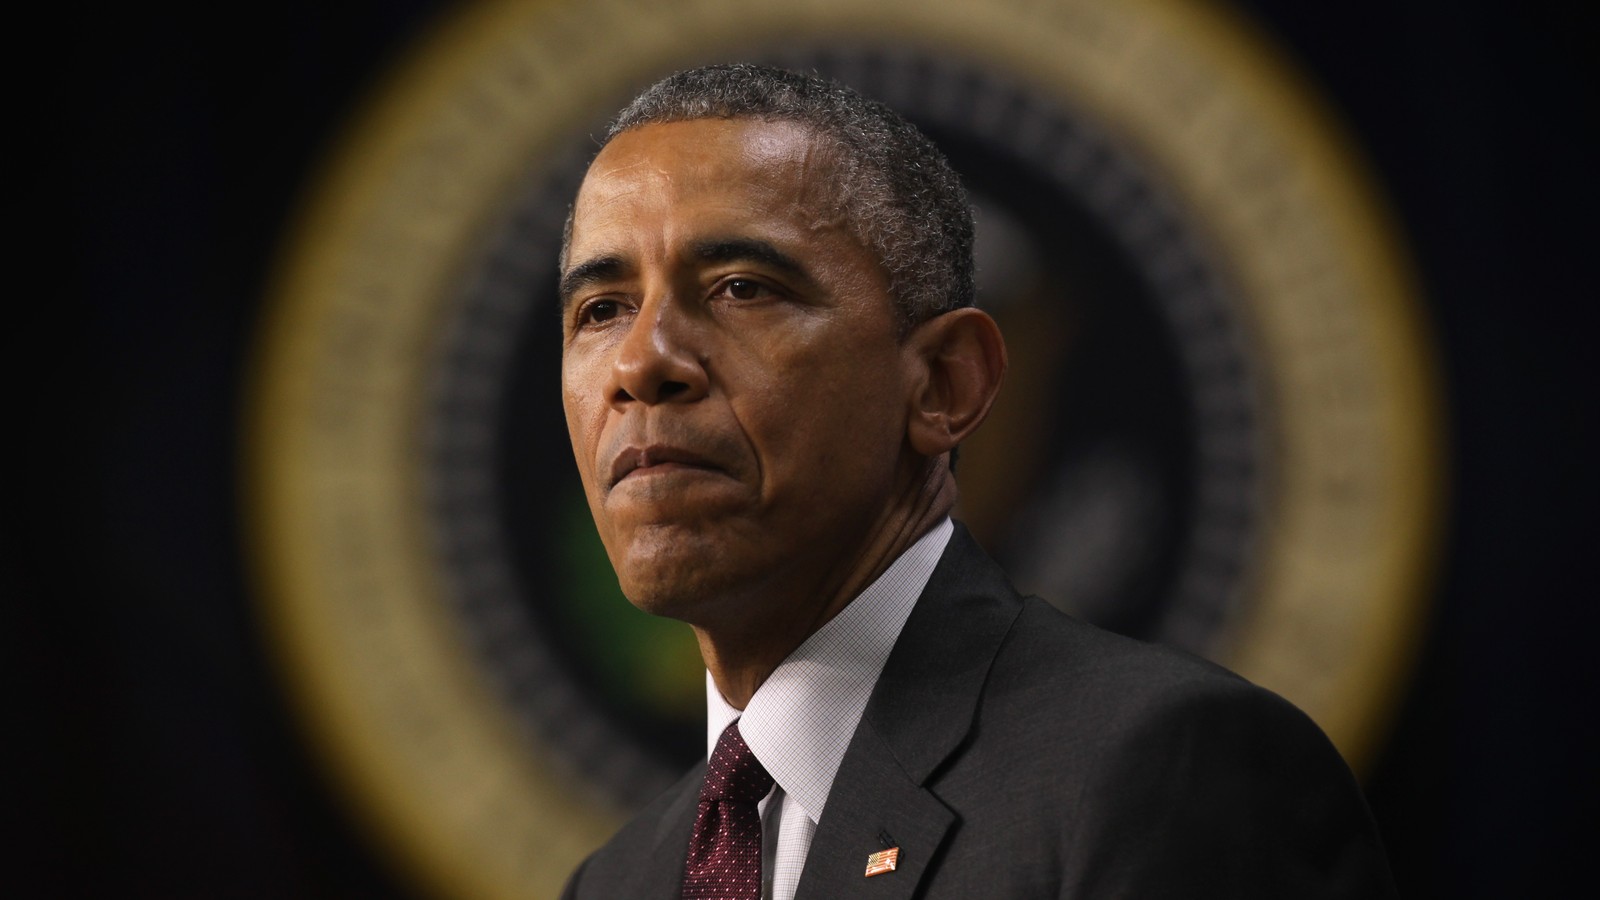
(176, 708)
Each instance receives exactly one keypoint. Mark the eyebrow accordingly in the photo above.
(725, 250)
(716, 250)
(586, 274)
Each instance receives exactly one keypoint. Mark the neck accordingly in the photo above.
(741, 655)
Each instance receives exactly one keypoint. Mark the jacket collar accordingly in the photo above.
(920, 712)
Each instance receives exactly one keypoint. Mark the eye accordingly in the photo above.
(598, 311)
(744, 289)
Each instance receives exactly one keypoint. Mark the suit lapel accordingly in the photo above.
(921, 710)
(873, 806)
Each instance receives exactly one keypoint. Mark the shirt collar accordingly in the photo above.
(801, 719)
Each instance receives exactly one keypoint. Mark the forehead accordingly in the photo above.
(735, 169)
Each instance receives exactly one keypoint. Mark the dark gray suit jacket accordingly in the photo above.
(1011, 751)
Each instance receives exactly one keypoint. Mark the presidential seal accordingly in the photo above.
(1221, 411)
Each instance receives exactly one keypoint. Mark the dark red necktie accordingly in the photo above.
(725, 851)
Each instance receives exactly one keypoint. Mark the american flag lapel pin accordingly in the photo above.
(884, 860)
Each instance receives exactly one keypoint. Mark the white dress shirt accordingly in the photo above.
(801, 719)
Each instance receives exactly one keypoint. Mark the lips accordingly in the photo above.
(635, 461)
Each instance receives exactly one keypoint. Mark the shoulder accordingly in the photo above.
(1229, 789)
(1117, 705)
(1113, 680)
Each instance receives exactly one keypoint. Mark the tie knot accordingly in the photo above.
(733, 772)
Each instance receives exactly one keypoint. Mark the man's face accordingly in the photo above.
(734, 384)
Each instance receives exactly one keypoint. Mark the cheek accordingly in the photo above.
(845, 406)
(583, 425)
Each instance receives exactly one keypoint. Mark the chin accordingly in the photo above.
(663, 605)
(667, 598)
(663, 581)
(684, 574)
(676, 581)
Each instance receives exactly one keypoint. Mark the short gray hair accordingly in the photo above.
(906, 204)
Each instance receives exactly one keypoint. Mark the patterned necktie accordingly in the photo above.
(725, 851)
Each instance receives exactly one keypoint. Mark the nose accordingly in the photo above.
(659, 361)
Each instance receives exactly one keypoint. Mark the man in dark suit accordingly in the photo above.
(770, 357)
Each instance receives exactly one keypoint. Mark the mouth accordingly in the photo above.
(656, 459)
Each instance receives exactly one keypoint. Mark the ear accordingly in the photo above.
(961, 360)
